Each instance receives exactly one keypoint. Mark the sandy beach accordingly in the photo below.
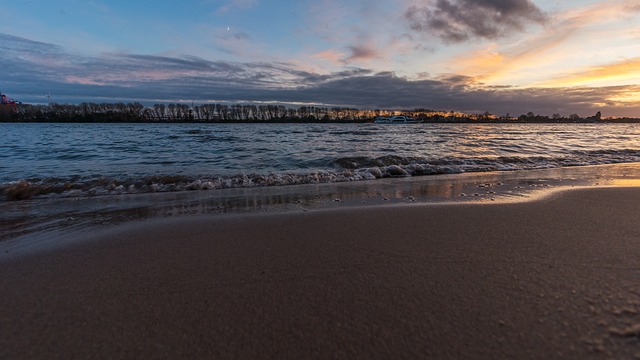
(558, 277)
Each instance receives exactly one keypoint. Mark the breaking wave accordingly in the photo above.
(343, 169)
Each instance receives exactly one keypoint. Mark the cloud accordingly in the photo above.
(151, 79)
(626, 70)
(361, 52)
(332, 56)
(487, 60)
(17, 46)
(84, 81)
(461, 93)
(558, 48)
(461, 20)
(632, 6)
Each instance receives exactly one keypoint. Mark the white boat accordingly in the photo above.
(398, 119)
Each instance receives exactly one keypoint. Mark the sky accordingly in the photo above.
(501, 56)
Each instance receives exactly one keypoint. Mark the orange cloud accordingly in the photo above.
(547, 50)
(481, 62)
(628, 97)
(624, 71)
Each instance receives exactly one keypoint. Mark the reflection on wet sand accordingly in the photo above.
(42, 215)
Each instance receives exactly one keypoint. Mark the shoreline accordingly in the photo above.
(38, 217)
(554, 277)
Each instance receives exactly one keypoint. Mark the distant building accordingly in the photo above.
(595, 118)
(5, 100)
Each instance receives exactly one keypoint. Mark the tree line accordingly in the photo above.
(136, 112)
(211, 113)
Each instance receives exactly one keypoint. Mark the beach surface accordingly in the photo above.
(555, 277)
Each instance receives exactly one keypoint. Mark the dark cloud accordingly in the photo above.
(361, 52)
(31, 69)
(385, 91)
(313, 78)
(14, 44)
(462, 20)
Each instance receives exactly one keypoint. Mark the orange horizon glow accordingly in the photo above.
(627, 71)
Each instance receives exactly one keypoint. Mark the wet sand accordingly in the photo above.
(46, 215)
(558, 277)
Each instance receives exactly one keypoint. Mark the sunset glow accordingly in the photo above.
(623, 73)
(628, 97)
(360, 54)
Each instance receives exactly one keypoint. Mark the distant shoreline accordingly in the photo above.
(311, 121)
(297, 121)
(239, 113)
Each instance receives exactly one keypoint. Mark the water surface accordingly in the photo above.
(99, 159)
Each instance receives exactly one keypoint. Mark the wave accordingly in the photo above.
(344, 169)
(416, 165)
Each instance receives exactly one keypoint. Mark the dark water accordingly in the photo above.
(94, 159)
